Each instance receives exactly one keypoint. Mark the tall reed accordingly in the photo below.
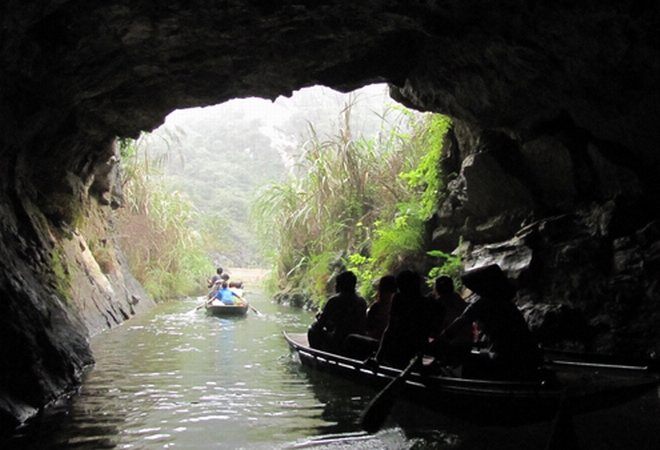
(351, 202)
(157, 230)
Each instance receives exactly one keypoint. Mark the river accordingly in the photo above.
(175, 378)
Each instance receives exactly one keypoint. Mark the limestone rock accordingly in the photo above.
(556, 106)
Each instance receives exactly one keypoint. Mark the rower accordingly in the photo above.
(512, 352)
(226, 295)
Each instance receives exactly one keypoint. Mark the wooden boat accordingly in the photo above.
(582, 386)
(227, 310)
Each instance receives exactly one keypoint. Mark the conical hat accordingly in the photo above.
(488, 281)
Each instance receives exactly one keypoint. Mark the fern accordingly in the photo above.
(447, 264)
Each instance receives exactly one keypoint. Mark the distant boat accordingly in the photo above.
(227, 310)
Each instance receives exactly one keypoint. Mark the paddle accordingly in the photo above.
(563, 435)
(254, 309)
(200, 306)
(195, 308)
(379, 407)
(240, 297)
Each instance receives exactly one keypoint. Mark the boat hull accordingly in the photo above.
(227, 310)
(488, 402)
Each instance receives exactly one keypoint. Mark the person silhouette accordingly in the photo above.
(409, 324)
(378, 313)
(511, 350)
(344, 313)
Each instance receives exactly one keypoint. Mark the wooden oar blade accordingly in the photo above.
(254, 310)
(197, 308)
(379, 408)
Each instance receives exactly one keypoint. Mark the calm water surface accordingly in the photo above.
(175, 378)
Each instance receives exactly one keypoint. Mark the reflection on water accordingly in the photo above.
(175, 378)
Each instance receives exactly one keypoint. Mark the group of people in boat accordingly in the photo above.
(223, 291)
(403, 322)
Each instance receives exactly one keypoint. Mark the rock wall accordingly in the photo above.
(556, 105)
(60, 284)
(577, 231)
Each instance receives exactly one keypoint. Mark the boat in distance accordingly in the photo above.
(222, 310)
(579, 386)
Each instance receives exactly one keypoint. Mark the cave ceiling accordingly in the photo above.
(119, 67)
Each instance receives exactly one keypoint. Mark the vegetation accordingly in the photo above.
(447, 264)
(353, 203)
(353, 192)
(221, 155)
(62, 280)
(218, 161)
(166, 253)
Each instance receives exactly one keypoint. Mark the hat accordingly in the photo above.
(488, 281)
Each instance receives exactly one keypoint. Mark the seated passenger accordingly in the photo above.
(216, 276)
(237, 287)
(447, 305)
(226, 295)
(216, 287)
(378, 314)
(343, 314)
(409, 325)
(513, 353)
(215, 282)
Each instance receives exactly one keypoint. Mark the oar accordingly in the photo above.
(195, 309)
(379, 407)
(249, 305)
(563, 435)
(201, 306)
(254, 309)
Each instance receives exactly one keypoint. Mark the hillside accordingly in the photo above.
(221, 155)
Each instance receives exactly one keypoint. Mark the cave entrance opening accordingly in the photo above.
(219, 156)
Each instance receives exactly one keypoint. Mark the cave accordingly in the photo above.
(554, 146)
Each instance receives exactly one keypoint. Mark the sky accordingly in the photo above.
(274, 114)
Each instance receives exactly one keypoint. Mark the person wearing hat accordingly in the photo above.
(512, 352)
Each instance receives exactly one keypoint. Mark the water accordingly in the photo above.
(174, 378)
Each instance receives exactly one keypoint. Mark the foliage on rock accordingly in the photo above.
(353, 204)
